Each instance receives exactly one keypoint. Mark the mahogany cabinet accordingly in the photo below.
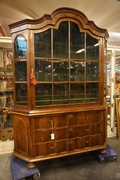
(59, 86)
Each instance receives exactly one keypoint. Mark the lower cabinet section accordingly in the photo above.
(48, 136)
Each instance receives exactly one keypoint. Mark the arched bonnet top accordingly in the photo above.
(57, 16)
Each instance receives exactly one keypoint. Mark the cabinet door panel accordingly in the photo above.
(21, 135)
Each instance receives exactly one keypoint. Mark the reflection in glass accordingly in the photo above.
(21, 94)
(92, 48)
(42, 44)
(61, 94)
(43, 94)
(76, 42)
(77, 70)
(92, 71)
(92, 92)
(20, 71)
(77, 93)
(60, 39)
(43, 70)
(60, 70)
(20, 47)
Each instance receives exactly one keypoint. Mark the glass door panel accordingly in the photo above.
(92, 71)
(20, 71)
(60, 70)
(61, 93)
(60, 41)
(43, 70)
(20, 47)
(77, 70)
(77, 93)
(92, 48)
(76, 42)
(42, 44)
(21, 94)
(20, 66)
(92, 92)
(43, 94)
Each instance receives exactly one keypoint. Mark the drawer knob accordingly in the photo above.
(70, 129)
(70, 116)
(51, 121)
(87, 130)
(70, 142)
(87, 141)
(52, 147)
(87, 117)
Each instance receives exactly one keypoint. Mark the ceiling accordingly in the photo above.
(104, 13)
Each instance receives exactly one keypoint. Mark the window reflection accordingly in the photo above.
(76, 41)
(20, 71)
(92, 48)
(43, 94)
(21, 94)
(43, 70)
(92, 71)
(60, 70)
(42, 44)
(61, 95)
(77, 70)
(20, 47)
(60, 39)
(92, 92)
(77, 93)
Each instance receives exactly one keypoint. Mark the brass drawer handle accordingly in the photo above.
(70, 129)
(70, 142)
(70, 116)
(87, 117)
(51, 121)
(87, 141)
(87, 130)
(52, 147)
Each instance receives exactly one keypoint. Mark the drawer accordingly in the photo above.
(80, 131)
(41, 135)
(97, 139)
(47, 122)
(79, 118)
(43, 122)
(61, 133)
(96, 128)
(62, 146)
(79, 143)
(43, 149)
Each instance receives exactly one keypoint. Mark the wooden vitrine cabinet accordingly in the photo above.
(59, 106)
